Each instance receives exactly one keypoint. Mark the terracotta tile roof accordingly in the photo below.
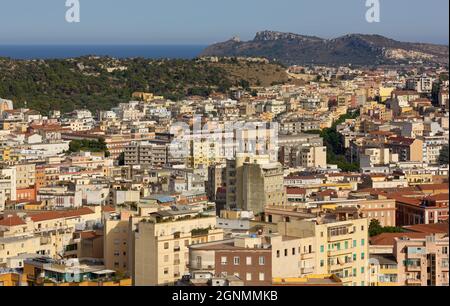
(13, 220)
(89, 235)
(441, 197)
(50, 215)
(108, 209)
(405, 200)
(293, 190)
(429, 228)
(429, 187)
(389, 238)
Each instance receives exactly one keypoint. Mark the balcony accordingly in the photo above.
(413, 268)
(340, 252)
(307, 270)
(413, 281)
(388, 271)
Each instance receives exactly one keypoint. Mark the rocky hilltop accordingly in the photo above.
(356, 49)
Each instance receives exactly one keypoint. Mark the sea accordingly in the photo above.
(27, 52)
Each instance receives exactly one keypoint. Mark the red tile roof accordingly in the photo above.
(429, 228)
(13, 220)
(293, 190)
(50, 215)
(389, 238)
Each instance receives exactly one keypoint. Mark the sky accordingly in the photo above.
(209, 21)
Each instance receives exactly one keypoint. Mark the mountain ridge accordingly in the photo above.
(357, 49)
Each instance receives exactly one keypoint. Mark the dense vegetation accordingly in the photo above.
(335, 148)
(88, 146)
(101, 82)
(375, 228)
(443, 156)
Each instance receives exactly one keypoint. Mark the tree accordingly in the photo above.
(122, 159)
(375, 228)
(443, 156)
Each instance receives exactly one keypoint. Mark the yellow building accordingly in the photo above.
(12, 279)
(5, 154)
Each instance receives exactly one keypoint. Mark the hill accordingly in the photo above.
(99, 83)
(356, 49)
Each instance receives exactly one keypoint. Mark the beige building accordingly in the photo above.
(423, 261)
(418, 257)
(376, 157)
(161, 245)
(339, 241)
(313, 157)
(25, 175)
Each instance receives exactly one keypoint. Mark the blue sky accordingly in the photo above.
(208, 21)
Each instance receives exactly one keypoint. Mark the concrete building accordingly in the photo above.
(161, 244)
(339, 241)
(146, 153)
(254, 182)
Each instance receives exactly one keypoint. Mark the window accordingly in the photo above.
(362, 256)
(293, 251)
(278, 253)
(354, 243)
(322, 263)
(166, 245)
(322, 249)
(248, 277)
(248, 260)
(262, 261)
(362, 270)
(166, 270)
(261, 276)
(236, 260)
(346, 244)
(223, 260)
(285, 252)
(362, 242)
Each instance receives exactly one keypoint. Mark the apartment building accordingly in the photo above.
(46, 233)
(256, 259)
(290, 145)
(161, 245)
(340, 243)
(146, 153)
(372, 157)
(8, 189)
(415, 258)
(408, 149)
(244, 257)
(426, 210)
(312, 157)
(25, 175)
(254, 182)
(216, 179)
(423, 261)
